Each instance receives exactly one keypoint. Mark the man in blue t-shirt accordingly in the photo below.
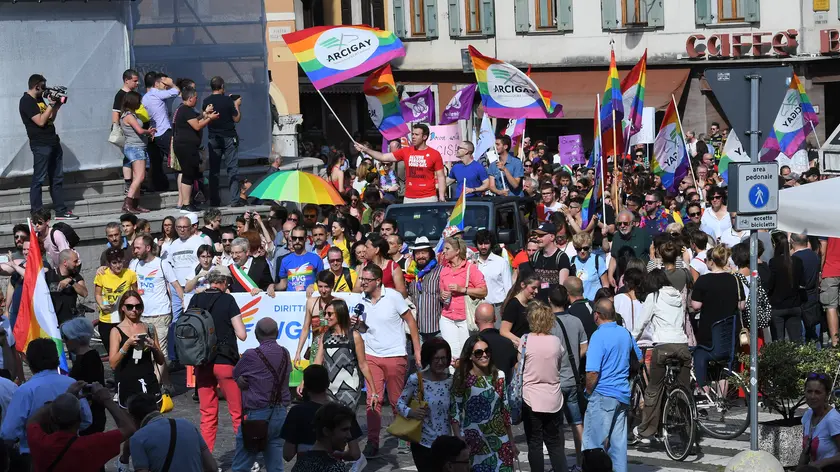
(468, 172)
(507, 173)
(298, 269)
(607, 384)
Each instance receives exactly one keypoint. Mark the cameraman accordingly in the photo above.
(53, 432)
(66, 285)
(47, 156)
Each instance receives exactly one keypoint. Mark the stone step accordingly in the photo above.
(113, 186)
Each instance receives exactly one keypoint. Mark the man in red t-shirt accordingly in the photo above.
(830, 284)
(53, 433)
(425, 180)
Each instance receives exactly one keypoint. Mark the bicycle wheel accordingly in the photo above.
(723, 414)
(678, 427)
(637, 399)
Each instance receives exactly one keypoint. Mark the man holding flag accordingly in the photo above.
(425, 181)
(507, 172)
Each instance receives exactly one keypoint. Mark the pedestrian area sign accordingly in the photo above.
(753, 188)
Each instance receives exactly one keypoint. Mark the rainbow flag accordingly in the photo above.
(670, 157)
(596, 193)
(808, 113)
(789, 128)
(383, 103)
(732, 152)
(612, 102)
(36, 315)
(456, 218)
(507, 92)
(242, 277)
(633, 96)
(332, 54)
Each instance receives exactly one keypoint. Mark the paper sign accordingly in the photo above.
(445, 139)
(647, 134)
(275, 33)
(570, 149)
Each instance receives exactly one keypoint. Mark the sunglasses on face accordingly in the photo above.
(330, 312)
(133, 307)
(650, 202)
(623, 223)
(226, 240)
(694, 215)
(336, 261)
(717, 197)
(583, 248)
(19, 236)
(479, 353)
(297, 238)
(527, 165)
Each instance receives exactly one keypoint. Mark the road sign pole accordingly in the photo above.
(754, 134)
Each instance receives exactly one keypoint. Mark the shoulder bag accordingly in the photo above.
(117, 137)
(581, 399)
(409, 429)
(255, 432)
(61, 454)
(173, 438)
(744, 335)
(174, 164)
(470, 303)
(515, 387)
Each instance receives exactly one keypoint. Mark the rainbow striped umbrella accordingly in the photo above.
(296, 186)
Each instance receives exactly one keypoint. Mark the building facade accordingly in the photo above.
(567, 44)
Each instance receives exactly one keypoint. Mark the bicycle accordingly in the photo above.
(719, 402)
(678, 416)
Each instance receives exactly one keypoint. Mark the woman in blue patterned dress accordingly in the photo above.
(479, 409)
(435, 355)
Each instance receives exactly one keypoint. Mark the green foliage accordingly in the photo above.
(782, 369)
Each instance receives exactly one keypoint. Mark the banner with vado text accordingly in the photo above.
(288, 309)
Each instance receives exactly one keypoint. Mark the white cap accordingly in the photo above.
(193, 218)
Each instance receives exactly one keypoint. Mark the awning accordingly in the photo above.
(576, 90)
(798, 205)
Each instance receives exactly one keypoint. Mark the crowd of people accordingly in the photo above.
(477, 337)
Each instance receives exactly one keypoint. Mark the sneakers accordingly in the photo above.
(402, 447)
(255, 467)
(189, 209)
(237, 204)
(371, 451)
(66, 215)
(121, 467)
(639, 439)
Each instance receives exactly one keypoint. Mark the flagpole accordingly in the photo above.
(335, 115)
(601, 162)
(615, 164)
(697, 187)
(815, 135)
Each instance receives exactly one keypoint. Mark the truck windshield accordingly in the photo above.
(429, 221)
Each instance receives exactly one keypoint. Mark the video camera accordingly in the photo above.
(57, 94)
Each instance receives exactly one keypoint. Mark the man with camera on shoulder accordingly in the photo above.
(48, 158)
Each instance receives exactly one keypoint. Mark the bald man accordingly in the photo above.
(259, 387)
(504, 352)
(468, 174)
(580, 307)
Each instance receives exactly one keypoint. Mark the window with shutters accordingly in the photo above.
(730, 10)
(373, 13)
(417, 10)
(633, 13)
(472, 16)
(545, 14)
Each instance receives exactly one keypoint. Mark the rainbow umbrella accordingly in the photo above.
(296, 186)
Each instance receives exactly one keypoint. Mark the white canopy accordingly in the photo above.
(813, 209)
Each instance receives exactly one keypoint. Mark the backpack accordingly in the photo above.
(345, 272)
(69, 234)
(597, 265)
(195, 336)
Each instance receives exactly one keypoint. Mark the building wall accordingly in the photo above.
(588, 43)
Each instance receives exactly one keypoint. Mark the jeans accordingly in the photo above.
(159, 158)
(48, 161)
(177, 309)
(206, 379)
(273, 452)
(606, 419)
(222, 147)
(787, 319)
(390, 372)
(548, 428)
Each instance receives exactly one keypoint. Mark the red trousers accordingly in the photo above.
(386, 372)
(206, 378)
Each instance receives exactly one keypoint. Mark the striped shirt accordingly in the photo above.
(427, 302)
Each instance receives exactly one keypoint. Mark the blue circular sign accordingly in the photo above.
(759, 195)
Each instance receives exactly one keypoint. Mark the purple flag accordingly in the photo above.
(419, 108)
(460, 107)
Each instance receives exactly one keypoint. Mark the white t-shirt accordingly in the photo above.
(632, 311)
(698, 263)
(821, 442)
(182, 255)
(152, 280)
(385, 336)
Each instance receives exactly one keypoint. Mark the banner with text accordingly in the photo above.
(288, 309)
(445, 139)
(570, 149)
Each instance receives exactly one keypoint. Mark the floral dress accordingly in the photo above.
(438, 395)
(482, 413)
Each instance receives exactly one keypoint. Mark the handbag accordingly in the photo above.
(744, 335)
(515, 388)
(581, 398)
(410, 429)
(255, 432)
(174, 164)
(470, 304)
(117, 137)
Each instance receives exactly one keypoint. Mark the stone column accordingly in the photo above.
(284, 137)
